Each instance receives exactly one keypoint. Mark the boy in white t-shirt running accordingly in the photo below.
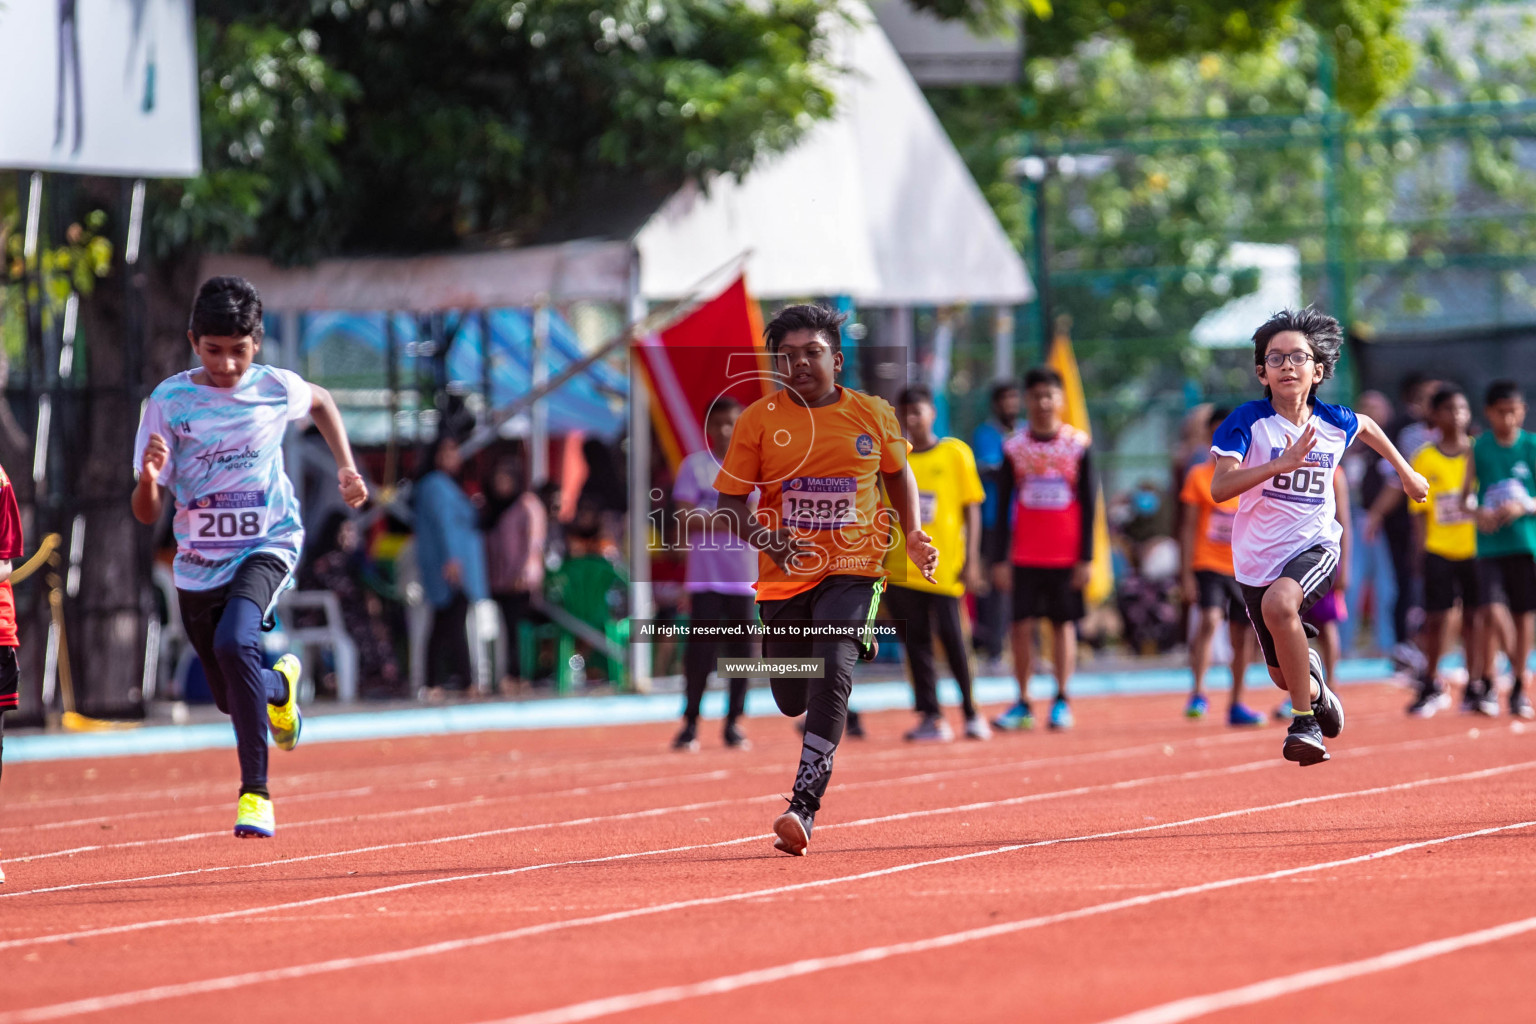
(1279, 454)
(213, 438)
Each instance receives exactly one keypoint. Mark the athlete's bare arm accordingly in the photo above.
(1414, 484)
(148, 495)
(780, 545)
(1231, 479)
(901, 487)
(971, 573)
(322, 409)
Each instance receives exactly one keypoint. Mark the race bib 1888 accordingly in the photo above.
(820, 502)
(229, 519)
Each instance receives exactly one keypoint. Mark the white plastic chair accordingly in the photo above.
(333, 635)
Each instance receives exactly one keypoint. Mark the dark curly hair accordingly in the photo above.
(817, 319)
(226, 307)
(1323, 334)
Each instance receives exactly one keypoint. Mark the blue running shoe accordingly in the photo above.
(1061, 714)
(1242, 714)
(1284, 712)
(1197, 706)
(1016, 719)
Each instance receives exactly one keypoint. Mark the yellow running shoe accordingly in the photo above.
(253, 817)
(285, 719)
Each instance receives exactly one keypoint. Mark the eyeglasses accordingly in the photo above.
(1275, 360)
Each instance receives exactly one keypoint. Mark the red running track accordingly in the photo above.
(1141, 867)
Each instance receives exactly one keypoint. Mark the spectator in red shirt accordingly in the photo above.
(10, 549)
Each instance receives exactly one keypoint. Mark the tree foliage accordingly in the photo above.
(1210, 149)
(379, 125)
(1374, 57)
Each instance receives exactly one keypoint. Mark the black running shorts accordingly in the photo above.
(1517, 575)
(1313, 569)
(1447, 581)
(1218, 590)
(10, 677)
(1045, 594)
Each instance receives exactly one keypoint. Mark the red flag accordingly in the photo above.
(714, 351)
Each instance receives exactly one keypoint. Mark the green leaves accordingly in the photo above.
(380, 125)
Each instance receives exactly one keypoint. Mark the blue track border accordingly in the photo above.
(593, 712)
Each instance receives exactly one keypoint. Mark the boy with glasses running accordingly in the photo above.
(1278, 456)
(818, 454)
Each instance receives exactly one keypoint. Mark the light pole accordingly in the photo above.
(1031, 172)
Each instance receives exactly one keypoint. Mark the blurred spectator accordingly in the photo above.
(338, 564)
(992, 606)
(451, 559)
(1371, 575)
(516, 528)
(1389, 515)
(589, 584)
(315, 477)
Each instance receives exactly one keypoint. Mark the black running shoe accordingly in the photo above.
(1472, 696)
(1327, 709)
(734, 739)
(1429, 700)
(855, 726)
(1520, 705)
(792, 830)
(1310, 630)
(687, 739)
(1304, 741)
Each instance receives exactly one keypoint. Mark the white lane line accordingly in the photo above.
(1262, 991)
(616, 1004)
(1122, 784)
(594, 1008)
(96, 1004)
(990, 768)
(435, 808)
(498, 773)
(510, 767)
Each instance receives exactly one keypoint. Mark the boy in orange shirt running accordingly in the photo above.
(818, 453)
(1209, 583)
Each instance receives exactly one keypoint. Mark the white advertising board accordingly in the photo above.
(99, 87)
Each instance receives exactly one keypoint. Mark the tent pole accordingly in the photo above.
(538, 433)
(640, 596)
(1002, 343)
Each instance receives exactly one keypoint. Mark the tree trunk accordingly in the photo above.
(110, 615)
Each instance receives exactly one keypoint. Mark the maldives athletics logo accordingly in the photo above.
(864, 444)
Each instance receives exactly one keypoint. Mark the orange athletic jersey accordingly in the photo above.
(818, 471)
(1213, 525)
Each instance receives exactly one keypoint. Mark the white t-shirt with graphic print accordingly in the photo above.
(225, 470)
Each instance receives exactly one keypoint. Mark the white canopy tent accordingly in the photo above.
(874, 204)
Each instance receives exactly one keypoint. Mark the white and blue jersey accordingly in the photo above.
(225, 471)
(1290, 512)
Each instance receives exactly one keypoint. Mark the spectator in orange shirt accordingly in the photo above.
(1209, 583)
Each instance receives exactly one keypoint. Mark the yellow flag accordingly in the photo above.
(1101, 579)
